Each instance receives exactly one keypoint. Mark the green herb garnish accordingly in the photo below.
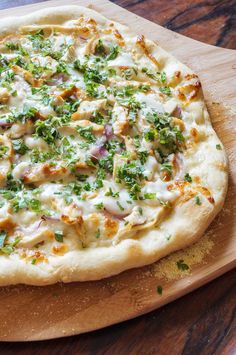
(59, 236)
(182, 265)
(111, 193)
(188, 178)
(99, 206)
(150, 196)
(19, 146)
(120, 206)
(198, 200)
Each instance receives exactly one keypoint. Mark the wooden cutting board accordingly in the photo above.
(36, 313)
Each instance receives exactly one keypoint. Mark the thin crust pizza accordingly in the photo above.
(108, 159)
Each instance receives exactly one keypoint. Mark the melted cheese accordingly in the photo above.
(87, 119)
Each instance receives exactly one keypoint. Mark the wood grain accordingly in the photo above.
(199, 323)
(38, 313)
(213, 21)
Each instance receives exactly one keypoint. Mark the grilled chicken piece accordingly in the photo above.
(87, 108)
(121, 120)
(4, 95)
(29, 241)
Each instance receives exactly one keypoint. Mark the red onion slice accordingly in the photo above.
(108, 131)
(114, 215)
(177, 112)
(47, 218)
(5, 124)
(98, 150)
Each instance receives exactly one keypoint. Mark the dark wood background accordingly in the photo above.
(203, 322)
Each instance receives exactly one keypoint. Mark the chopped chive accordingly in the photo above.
(120, 206)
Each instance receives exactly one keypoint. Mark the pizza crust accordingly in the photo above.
(187, 221)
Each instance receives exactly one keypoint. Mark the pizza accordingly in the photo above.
(108, 159)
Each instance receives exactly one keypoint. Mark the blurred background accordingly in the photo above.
(212, 21)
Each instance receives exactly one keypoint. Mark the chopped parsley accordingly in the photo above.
(111, 193)
(169, 136)
(13, 184)
(48, 129)
(159, 290)
(59, 236)
(218, 147)
(165, 90)
(34, 205)
(157, 76)
(142, 155)
(140, 210)
(182, 265)
(93, 74)
(150, 196)
(62, 68)
(7, 249)
(24, 201)
(131, 174)
(100, 48)
(12, 46)
(27, 113)
(99, 206)
(150, 134)
(120, 206)
(163, 77)
(188, 178)
(16, 47)
(198, 200)
(87, 133)
(113, 52)
(19, 146)
(38, 156)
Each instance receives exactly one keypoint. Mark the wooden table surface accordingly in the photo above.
(203, 322)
